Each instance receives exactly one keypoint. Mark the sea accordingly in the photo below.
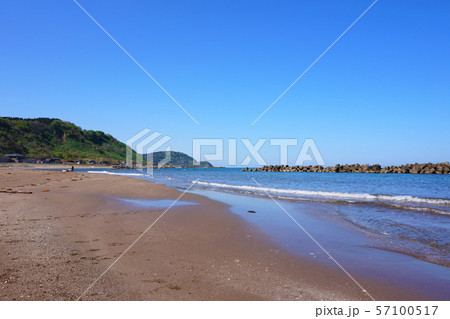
(390, 226)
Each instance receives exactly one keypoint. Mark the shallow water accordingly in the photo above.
(390, 226)
(155, 203)
(355, 251)
(405, 213)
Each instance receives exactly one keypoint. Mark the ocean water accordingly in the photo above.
(392, 227)
(405, 213)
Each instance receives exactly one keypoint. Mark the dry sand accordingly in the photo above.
(55, 242)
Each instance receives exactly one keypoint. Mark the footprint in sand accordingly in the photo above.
(158, 281)
(114, 244)
(173, 287)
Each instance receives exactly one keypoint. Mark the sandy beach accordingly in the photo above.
(56, 241)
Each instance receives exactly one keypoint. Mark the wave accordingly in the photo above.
(120, 174)
(335, 195)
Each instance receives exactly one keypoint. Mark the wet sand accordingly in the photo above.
(58, 240)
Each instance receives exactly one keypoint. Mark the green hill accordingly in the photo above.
(53, 138)
(177, 159)
(50, 138)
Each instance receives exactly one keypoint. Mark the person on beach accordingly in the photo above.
(72, 168)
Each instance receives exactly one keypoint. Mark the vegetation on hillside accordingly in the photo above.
(53, 138)
(176, 159)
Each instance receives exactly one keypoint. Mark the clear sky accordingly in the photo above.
(379, 95)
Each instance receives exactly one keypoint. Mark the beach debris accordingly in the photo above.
(45, 190)
(10, 191)
(251, 211)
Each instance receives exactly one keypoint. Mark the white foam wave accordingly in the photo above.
(424, 209)
(120, 174)
(334, 195)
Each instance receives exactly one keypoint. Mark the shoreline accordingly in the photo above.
(59, 239)
(35, 166)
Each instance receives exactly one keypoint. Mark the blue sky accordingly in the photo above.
(380, 95)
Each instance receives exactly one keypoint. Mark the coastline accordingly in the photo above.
(59, 239)
(33, 166)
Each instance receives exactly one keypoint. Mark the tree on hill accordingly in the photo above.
(45, 137)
